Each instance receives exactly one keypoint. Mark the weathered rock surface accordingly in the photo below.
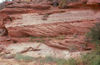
(17, 11)
(28, 26)
(56, 24)
(93, 1)
(72, 43)
(31, 6)
(4, 18)
(73, 24)
(43, 52)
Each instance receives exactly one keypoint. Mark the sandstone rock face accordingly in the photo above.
(45, 30)
(17, 11)
(72, 24)
(3, 31)
(40, 30)
(1, 24)
(89, 1)
(93, 1)
(23, 7)
(40, 7)
(20, 9)
(58, 31)
(4, 18)
(56, 24)
(44, 50)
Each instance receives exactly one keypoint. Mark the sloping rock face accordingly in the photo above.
(56, 24)
(57, 30)
(43, 52)
(17, 11)
(43, 21)
(87, 1)
(73, 24)
(31, 6)
(53, 29)
(93, 1)
(4, 18)
(23, 7)
(40, 30)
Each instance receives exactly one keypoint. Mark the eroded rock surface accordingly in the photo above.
(74, 24)
(56, 24)
(60, 32)
(43, 52)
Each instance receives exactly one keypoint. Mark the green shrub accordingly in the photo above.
(94, 34)
(92, 58)
(39, 39)
(20, 57)
(59, 61)
(43, 39)
(47, 59)
(72, 61)
(62, 3)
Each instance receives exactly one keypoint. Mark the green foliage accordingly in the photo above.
(59, 61)
(62, 3)
(47, 59)
(38, 39)
(92, 58)
(20, 57)
(94, 34)
(42, 39)
(72, 61)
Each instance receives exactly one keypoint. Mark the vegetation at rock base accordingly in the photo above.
(42, 39)
(59, 61)
(20, 57)
(47, 59)
(94, 34)
(62, 3)
(92, 58)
